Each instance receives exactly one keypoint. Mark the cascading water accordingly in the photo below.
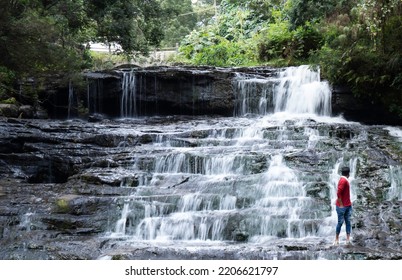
(235, 179)
(295, 90)
(300, 91)
(254, 95)
(128, 98)
(70, 98)
(257, 185)
(395, 191)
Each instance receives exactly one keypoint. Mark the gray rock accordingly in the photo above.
(26, 111)
(9, 110)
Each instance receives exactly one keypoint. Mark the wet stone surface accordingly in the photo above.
(183, 187)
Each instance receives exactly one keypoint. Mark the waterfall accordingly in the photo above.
(395, 190)
(294, 90)
(300, 91)
(327, 227)
(237, 173)
(128, 98)
(70, 98)
(254, 94)
(281, 201)
(120, 229)
(215, 180)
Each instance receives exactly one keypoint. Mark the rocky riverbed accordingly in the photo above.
(64, 186)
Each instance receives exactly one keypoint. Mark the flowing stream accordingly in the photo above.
(233, 179)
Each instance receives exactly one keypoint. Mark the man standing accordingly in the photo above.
(343, 205)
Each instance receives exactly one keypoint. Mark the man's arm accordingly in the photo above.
(341, 186)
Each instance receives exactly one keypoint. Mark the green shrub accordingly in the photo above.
(279, 41)
(223, 53)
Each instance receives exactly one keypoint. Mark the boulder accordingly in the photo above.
(9, 110)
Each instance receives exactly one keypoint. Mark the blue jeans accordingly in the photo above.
(344, 214)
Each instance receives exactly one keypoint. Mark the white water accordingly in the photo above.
(296, 90)
(235, 177)
(327, 226)
(301, 91)
(120, 229)
(395, 172)
(128, 97)
(395, 191)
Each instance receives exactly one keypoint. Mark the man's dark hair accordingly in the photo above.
(345, 171)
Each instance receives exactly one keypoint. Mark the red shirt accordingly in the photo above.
(343, 192)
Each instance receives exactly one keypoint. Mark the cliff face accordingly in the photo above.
(360, 109)
(179, 91)
(168, 91)
(153, 91)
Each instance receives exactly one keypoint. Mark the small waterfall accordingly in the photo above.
(395, 191)
(199, 164)
(70, 99)
(313, 137)
(282, 200)
(295, 90)
(300, 91)
(120, 229)
(327, 227)
(128, 98)
(196, 219)
(254, 94)
(26, 221)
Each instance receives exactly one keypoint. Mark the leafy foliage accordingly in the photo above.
(357, 43)
(368, 61)
(41, 38)
(230, 33)
(179, 20)
(134, 24)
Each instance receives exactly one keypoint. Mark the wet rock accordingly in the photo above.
(26, 111)
(63, 189)
(241, 236)
(41, 113)
(295, 248)
(110, 140)
(81, 205)
(71, 224)
(304, 157)
(9, 110)
(96, 118)
(318, 190)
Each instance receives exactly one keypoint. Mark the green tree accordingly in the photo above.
(134, 24)
(362, 49)
(43, 38)
(301, 11)
(233, 28)
(179, 19)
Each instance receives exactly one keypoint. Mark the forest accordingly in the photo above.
(356, 43)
